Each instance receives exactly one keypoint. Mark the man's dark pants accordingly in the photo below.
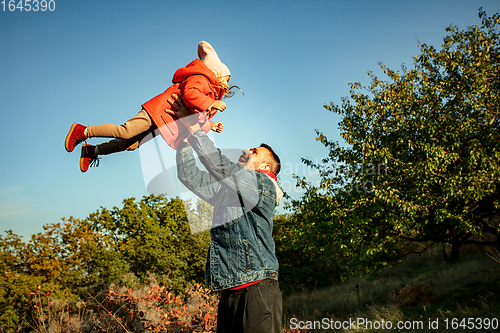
(257, 308)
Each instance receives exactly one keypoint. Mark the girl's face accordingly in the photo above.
(223, 81)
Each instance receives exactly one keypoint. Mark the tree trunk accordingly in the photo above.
(445, 256)
(455, 251)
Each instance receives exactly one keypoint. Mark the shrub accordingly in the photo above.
(150, 308)
(416, 293)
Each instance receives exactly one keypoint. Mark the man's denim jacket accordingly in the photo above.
(241, 244)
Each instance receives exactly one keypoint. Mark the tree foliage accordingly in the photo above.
(73, 259)
(153, 236)
(45, 263)
(305, 252)
(422, 160)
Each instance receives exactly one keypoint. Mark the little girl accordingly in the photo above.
(203, 83)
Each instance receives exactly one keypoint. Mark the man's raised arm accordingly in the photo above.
(233, 176)
(197, 181)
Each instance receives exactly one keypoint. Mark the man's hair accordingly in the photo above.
(276, 166)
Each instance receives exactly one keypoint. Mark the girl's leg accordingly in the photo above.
(78, 133)
(90, 153)
(117, 145)
(133, 127)
(127, 137)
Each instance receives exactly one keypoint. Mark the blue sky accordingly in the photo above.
(96, 62)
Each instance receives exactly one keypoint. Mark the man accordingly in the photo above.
(241, 260)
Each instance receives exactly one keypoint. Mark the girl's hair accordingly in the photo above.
(230, 91)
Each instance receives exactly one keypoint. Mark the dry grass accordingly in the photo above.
(417, 291)
(147, 308)
(419, 288)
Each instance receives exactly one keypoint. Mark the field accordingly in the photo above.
(420, 294)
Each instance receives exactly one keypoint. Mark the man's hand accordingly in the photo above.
(187, 116)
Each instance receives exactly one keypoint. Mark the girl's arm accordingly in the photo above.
(219, 105)
(216, 127)
(196, 88)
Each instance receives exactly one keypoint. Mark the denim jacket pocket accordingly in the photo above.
(248, 257)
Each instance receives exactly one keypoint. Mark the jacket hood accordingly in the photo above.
(207, 54)
(195, 67)
(279, 192)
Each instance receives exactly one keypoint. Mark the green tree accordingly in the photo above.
(150, 236)
(78, 257)
(62, 254)
(422, 160)
(13, 283)
(200, 217)
(307, 257)
(48, 262)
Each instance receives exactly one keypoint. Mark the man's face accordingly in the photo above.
(255, 159)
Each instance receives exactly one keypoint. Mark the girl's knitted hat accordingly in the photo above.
(207, 54)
